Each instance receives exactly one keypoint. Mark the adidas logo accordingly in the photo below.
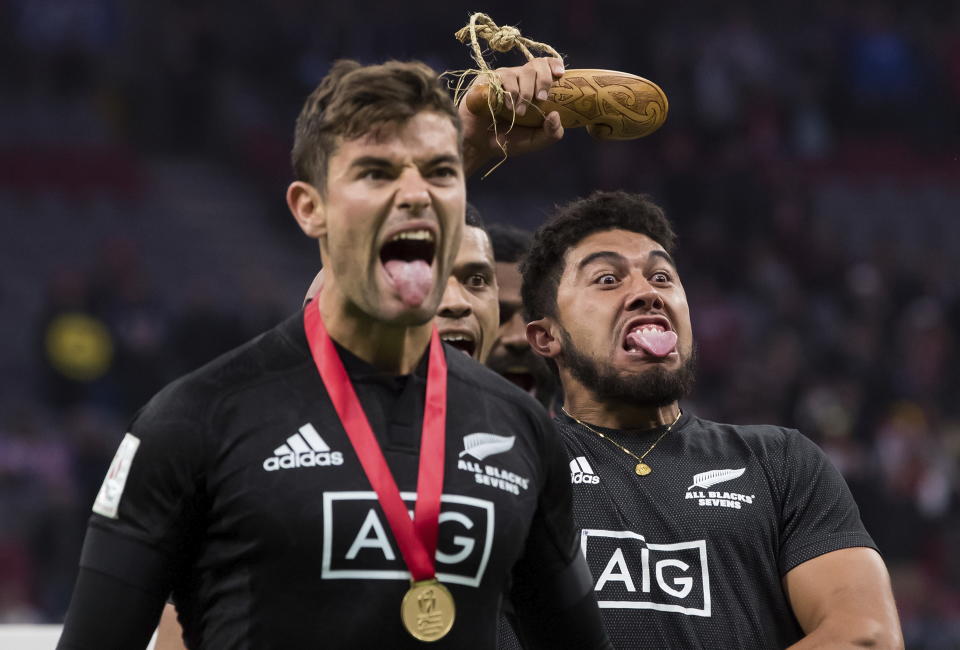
(581, 472)
(303, 449)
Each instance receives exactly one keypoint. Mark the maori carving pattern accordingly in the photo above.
(618, 106)
(612, 105)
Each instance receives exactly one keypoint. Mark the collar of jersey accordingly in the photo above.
(357, 368)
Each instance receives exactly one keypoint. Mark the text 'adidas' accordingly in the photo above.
(303, 449)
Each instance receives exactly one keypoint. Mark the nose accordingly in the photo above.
(454, 303)
(514, 336)
(644, 296)
(413, 193)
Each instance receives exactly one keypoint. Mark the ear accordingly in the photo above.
(307, 207)
(543, 338)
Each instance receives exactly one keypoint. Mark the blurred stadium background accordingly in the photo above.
(810, 163)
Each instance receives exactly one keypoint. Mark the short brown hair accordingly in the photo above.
(353, 99)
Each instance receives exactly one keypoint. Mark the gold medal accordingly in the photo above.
(642, 469)
(427, 610)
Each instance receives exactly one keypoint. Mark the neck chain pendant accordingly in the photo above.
(641, 468)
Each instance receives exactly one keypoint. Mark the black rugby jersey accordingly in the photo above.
(243, 494)
(693, 554)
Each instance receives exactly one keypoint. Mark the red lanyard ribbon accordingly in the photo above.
(417, 539)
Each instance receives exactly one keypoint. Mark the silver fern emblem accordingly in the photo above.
(704, 480)
(481, 445)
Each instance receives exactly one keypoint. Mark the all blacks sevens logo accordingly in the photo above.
(357, 545)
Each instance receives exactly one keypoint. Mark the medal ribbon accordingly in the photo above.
(417, 539)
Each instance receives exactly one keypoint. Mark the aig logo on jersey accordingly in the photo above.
(631, 573)
(356, 544)
(581, 472)
(303, 449)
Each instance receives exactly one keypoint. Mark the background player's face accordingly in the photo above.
(468, 313)
(511, 337)
(393, 211)
(512, 355)
(613, 281)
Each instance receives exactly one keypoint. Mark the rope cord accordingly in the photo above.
(500, 39)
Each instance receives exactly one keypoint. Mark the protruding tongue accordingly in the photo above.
(413, 280)
(655, 342)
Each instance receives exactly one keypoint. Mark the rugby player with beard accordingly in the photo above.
(698, 534)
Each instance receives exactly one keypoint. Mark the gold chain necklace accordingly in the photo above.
(642, 469)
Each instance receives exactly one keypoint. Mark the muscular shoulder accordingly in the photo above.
(759, 439)
(786, 455)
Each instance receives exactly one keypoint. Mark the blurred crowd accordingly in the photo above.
(809, 162)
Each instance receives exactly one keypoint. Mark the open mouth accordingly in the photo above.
(463, 342)
(407, 258)
(654, 338)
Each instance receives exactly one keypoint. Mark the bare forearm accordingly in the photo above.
(843, 599)
(849, 633)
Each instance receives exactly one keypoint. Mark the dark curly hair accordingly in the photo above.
(473, 217)
(510, 244)
(572, 223)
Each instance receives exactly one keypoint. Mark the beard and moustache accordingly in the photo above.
(654, 387)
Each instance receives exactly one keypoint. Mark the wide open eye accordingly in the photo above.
(477, 281)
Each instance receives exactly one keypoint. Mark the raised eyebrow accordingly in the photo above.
(665, 256)
(610, 256)
(471, 268)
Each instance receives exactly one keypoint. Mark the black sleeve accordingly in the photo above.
(506, 637)
(552, 592)
(109, 614)
(545, 618)
(818, 512)
(140, 535)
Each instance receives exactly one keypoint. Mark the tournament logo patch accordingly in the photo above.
(631, 573)
(713, 498)
(108, 499)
